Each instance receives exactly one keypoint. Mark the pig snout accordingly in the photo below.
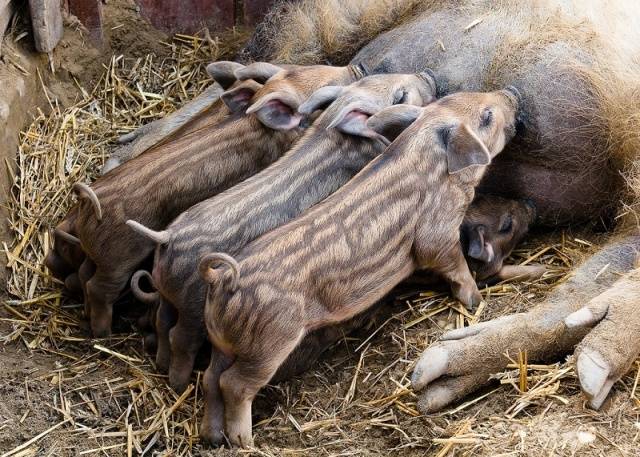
(479, 249)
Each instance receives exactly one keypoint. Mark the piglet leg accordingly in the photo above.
(165, 319)
(242, 381)
(103, 289)
(85, 272)
(185, 338)
(456, 272)
(212, 429)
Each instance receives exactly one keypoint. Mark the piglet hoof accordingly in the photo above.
(178, 381)
(469, 296)
(150, 343)
(213, 436)
(73, 286)
(101, 327)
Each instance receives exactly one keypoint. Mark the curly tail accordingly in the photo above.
(84, 191)
(309, 32)
(161, 237)
(213, 275)
(149, 298)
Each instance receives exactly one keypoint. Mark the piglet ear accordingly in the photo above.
(238, 98)
(352, 120)
(464, 149)
(224, 72)
(258, 71)
(392, 121)
(477, 245)
(320, 99)
(277, 110)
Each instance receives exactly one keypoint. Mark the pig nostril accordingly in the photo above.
(516, 96)
(531, 205)
(430, 77)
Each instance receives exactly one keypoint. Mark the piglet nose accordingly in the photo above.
(531, 204)
(428, 75)
(514, 95)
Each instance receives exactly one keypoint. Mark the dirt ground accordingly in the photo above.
(63, 394)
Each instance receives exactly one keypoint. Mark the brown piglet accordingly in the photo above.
(206, 110)
(402, 212)
(336, 147)
(159, 184)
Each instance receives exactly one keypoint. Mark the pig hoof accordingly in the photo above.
(100, 330)
(465, 359)
(162, 361)
(72, 284)
(178, 383)
(150, 344)
(470, 298)
(611, 347)
(214, 438)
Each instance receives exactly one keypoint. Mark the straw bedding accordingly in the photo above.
(69, 395)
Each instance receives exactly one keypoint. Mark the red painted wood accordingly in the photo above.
(89, 12)
(254, 10)
(188, 16)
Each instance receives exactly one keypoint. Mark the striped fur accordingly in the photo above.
(322, 161)
(400, 213)
(156, 186)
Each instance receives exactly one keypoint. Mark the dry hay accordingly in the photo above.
(106, 398)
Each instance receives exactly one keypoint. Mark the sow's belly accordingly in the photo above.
(562, 196)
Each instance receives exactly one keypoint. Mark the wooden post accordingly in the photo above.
(46, 18)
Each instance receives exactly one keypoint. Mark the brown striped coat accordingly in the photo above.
(322, 161)
(402, 212)
(161, 183)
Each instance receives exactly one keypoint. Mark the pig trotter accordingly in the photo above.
(594, 310)
(185, 339)
(463, 362)
(613, 344)
(212, 429)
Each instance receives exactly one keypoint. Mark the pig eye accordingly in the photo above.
(507, 225)
(486, 118)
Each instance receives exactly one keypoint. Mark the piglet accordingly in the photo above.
(333, 150)
(159, 184)
(402, 212)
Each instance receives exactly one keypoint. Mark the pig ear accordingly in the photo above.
(238, 98)
(352, 120)
(478, 249)
(320, 99)
(392, 121)
(224, 72)
(464, 148)
(277, 110)
(259, 71)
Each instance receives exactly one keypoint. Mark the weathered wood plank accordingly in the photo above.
(188, 16)
(46, 18)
